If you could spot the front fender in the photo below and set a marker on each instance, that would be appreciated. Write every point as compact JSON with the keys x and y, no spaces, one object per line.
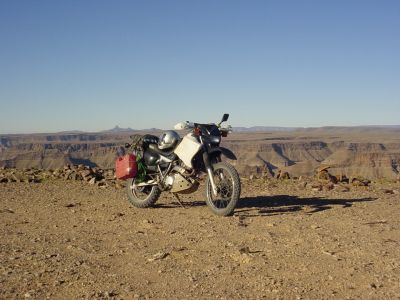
{"x":221,"y":150}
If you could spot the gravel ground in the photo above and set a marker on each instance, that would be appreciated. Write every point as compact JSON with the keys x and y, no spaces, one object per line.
{"x":68,"y":240}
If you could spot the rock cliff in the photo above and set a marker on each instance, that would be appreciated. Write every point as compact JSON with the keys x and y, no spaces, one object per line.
{"x":364,"y":154}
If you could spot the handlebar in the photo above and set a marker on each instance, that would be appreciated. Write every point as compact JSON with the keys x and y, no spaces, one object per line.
{"x":191,"y":125}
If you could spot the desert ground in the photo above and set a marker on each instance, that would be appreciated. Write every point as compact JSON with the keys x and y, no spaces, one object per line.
{"x":70,"y":240}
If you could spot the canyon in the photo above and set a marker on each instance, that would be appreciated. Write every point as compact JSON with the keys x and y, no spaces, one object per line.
{"x":368,"y":152}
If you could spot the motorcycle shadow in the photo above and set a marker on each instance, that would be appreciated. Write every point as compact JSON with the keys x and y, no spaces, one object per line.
{"x":186,"y":204}
{"x":281,"y":204}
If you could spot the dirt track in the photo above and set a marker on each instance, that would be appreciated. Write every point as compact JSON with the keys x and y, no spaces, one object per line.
{"x":67,"y":240}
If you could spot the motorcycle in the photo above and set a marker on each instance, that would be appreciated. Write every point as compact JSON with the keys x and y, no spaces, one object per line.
{"x":175,"y":164}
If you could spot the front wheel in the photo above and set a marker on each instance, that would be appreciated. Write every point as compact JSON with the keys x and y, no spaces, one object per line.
{"x":142,"y":197}
{"x":227,"y":182}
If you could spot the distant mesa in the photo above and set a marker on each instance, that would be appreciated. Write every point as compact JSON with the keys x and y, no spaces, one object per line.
{"x":70,"y":132}
{"x":368,"y":152}
{"x":263,"y":128}
{"x":118,"y":129}
{"x":323,"y":128}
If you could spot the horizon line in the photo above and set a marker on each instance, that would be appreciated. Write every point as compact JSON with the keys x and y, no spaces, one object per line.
{"x":118,"y":129}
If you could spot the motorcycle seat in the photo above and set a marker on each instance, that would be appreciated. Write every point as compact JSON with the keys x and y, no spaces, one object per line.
{"x":150,"y":139}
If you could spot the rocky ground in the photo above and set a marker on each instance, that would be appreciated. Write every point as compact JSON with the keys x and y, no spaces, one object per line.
{"x":289,"y":239}
{"x":93,"y":176}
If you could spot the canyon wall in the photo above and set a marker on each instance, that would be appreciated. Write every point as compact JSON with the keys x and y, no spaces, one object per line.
{"x":370,"y":155}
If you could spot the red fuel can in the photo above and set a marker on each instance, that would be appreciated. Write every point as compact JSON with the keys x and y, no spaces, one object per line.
{"x":126,"y":167}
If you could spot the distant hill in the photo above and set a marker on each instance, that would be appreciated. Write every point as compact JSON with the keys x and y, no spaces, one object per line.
{"x":264,"y":128}
{"x":117,"y":129}
{"x":71,"y":132}
{"x":322,"y":128}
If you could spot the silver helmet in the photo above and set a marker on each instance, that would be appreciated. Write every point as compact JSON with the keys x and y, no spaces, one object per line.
{"x":168,"y":140}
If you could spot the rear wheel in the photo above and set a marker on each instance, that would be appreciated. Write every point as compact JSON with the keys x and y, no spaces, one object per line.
{"x":227,"y":182}
{"x":144,"y":196}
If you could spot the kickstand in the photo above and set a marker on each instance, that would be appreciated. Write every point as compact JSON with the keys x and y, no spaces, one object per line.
{"x":179,"y":200}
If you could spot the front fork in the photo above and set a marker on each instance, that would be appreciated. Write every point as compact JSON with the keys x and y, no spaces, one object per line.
{"x":209,"y":169}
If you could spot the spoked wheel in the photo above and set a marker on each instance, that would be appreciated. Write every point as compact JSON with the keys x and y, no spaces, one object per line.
{"x":227,"y":181}
{"x":144,"y":196}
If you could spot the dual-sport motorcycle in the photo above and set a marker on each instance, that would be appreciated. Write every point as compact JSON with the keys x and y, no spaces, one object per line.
{"x":174,"y":164}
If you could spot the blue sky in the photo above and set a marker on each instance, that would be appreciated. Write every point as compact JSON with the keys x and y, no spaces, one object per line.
{"x":91,"y":65}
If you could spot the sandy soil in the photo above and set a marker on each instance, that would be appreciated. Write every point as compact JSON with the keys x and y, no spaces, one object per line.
{"x":68,"y":240}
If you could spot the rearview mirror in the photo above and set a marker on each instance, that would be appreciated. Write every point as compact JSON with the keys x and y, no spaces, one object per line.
{"x":225,"y":118}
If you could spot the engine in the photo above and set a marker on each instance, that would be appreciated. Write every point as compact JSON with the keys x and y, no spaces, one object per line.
{"x":176,"y":182}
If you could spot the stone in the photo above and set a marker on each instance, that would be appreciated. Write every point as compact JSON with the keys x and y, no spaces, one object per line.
{"x":342,"y":178}
{"x":282,"y":175}
{"x":329,"y":186}
{"x":342,"y":188}
{"x":158,"y":256}
{"x":323,"y":168}
{"x":34,"y":179}
{"x":325,"y":176}
{"x":118,"y":186}
{"x":388,"y":191}
{"x":244,"y":250}
{"x":58,"y":282}
{"x":76,"y":176}
{"x":87,"y":178}
{"x":304,"y":178}
{"x":360,"y":182}
{"x":92,"y":181}
{"x":17,"y":178}
{"x":109,"y":174}
{"x":85,"y":173}
{"x":303,"y":184}
{"x":102,"y":185}
{"x":315,"y":186}
{"x":372,"y":286}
